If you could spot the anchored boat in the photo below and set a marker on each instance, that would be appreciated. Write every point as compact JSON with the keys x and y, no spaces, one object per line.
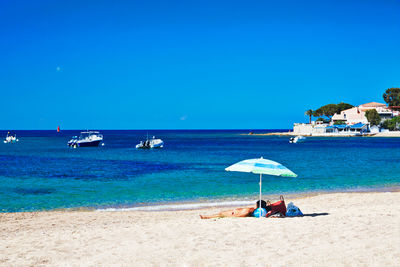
{"x":11,"y":138}
{"x":297,"y":139}
{"x":86,"y":139}
{"x":150,"y":143}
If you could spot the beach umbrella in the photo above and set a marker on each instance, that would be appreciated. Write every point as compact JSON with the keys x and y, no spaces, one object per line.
{"x":261,"y":166}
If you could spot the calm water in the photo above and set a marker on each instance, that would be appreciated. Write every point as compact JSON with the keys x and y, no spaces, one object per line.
{"x":40,"y":172}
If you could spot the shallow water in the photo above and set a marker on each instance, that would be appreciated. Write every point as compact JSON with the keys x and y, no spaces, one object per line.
{"x":40,"y":172}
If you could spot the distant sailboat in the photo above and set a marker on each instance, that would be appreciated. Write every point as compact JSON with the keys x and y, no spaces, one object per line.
{"x":58,"y":129}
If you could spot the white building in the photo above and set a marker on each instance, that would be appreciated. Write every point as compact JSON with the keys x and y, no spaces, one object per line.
{"x":357,"y":114}
{"x":354,"y":122}
{"x":350,"y":116}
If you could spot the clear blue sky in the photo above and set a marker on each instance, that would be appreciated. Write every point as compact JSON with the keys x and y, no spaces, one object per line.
{"x":191,"y":64}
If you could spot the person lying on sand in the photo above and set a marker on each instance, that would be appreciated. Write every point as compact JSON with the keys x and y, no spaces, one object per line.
{"x":238,"y":212}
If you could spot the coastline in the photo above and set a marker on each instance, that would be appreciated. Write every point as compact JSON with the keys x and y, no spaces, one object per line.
{"x":384,"y":134}
{"x":226,"y":203}
{"x":336,"y":230}
{"x":214,"y":202}
{"x":388,"y":134}
{"x":270,"y":134}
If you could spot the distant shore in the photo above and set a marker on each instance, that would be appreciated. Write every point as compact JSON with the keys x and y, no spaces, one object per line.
{"x":266,"y":134}
{"x":386,"y":134}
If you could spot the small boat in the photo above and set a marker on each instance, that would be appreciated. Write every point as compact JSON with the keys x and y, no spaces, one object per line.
{"x":73,"y":141}
{"x":85,"y":139}
{"x":297,"y":139}
{"x":11,"y":138}
{"x":58,"y":129}
{"x":150,"y":143}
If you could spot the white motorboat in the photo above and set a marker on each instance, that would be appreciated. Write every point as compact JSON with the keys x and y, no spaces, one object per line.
{"x":85,"y":139}
{"x":150,"y":143}
{"x":11,"y":138}
{"x":297,"y":139}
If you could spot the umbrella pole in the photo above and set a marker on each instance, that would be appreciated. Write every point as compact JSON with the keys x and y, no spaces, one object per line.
{"x":260,"y":193}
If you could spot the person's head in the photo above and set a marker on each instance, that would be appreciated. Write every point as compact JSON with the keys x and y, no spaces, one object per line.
{"x":263,"y":204}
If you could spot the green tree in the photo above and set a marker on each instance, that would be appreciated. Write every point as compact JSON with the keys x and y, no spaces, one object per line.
{"x":317,"y":113}
{"x":391,"y":124}
{"x":309,"y":112}
{"x":339,"y":123}
{"x":327,"y":110}
{"x":386,"y":125}
{"x":392,"y":97}
{"x":330,"y":110}
{"x":373,"y":117}
{"x":323,"y":120}
{"x":343,"y":106}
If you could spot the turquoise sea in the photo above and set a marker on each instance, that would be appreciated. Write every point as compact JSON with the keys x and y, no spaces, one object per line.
{"x":41,"y":172}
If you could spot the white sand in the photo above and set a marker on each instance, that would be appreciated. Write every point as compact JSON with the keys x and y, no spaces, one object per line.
{"x":360,"y":229}
{"x":388,"y":134}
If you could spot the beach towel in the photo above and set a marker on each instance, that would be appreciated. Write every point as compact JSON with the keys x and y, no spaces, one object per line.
{"x":277,"y":207}
{"x":293,"y":211}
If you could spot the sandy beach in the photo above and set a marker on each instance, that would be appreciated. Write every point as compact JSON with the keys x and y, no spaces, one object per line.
{"x":388,"y":134}
{"x":338,"y":229}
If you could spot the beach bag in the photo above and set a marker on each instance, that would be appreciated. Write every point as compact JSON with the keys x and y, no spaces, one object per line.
{"x":293,"y":211}
{"x":277,"y":207}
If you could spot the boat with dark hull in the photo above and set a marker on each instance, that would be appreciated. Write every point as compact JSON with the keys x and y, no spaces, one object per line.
{"x":86,"y":139}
